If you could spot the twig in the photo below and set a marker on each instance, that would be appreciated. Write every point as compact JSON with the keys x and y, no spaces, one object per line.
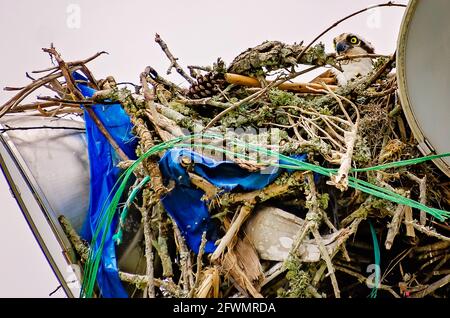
{"x":70,"y":82}
{"x":161,"y":244}
{"x":394,"y":226}
{"x":362,"y":211}
{"x":380,"y":71}
{"x":271,"y":191}
{"x":340,"y":180}
{"x":148,"y":238}
{"x":319,"y":274}
{"x":81,"y":247}
{"x":358,"y":56}
{"x":107,"y":135}
{"x":363,"y":279}
{"x":201,"y":68}
{"x":428,"y":231}
{"x":423,"y":194}
{"x":75,"y":102}
{"x":161,"y":80}
{"x":381,"y":94}
{"x":408,"y":219}
{"x":27,"y":90}
{"x":326,"y":257}
{"x":150,"y":164}
{"x":388,"y":4}
{"x":75,"y":63}
{"x":201,"y":250}
{"x":432,"y":247}
{"x":40,"y":127}
{"x":76,"y":95}
{"x":35,"y":105}
{"x":431,"y":288}
{"x":185,"y":260}
{"x":204,"y":102}
{"x":200,"y":182}
{"x":173,"y":60}
{"x":313,"y":219}
{"x":313,"y":292}
{"x":305,"y":230}
{"x":149,"y":97}
{"x":141,"y":282}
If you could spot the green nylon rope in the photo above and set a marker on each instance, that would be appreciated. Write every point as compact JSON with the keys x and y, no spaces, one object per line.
{"x":117,"y":238}
{"x":353,"y":182}
{"x":92,"y":264}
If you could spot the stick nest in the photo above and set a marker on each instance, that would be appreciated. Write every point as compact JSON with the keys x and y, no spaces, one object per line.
{"x":358,"y":125}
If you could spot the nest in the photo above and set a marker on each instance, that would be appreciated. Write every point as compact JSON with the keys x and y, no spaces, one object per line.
{"x":329,"y":225}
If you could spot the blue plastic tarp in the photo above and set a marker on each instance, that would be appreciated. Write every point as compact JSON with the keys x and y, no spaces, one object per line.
{"x":103,"y":175}
{"x":185,"y":202}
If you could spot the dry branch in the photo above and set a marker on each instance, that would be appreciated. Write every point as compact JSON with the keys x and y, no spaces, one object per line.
{"x":173,"y":60}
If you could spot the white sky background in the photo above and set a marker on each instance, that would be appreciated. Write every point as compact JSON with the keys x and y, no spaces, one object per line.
{"x":197,"y":32}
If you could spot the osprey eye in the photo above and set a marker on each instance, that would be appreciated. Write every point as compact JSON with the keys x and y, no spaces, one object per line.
{"x":354,"y":40}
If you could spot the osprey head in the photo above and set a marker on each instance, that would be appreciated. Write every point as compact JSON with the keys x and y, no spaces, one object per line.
{"x":349,"y":43}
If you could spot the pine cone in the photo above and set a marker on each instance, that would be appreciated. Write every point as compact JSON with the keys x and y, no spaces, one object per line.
{"x":207,"y":85}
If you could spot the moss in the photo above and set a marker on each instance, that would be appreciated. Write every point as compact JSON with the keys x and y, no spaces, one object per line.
{"x":282,"y":179}
{"x":361,"y":153}
{"x":245,"y":116}
{"x":298,"y":279}
{"x":219,"y":66}
{"x":324,"y":110}
{"x":323,"y":200}
{"x":283,"y":98}
{"x":146,"y":195}
{"x":379,"y":62}
{"x":381,"y":204}
{"x":186,"y":123}
{"x":181,"y":108}
{"x":139,"y":151}
{"x":274,"y":55}
{"x":316,"y":55}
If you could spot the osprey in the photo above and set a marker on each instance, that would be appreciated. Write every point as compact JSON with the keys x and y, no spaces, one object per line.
{"x":351,"y":44}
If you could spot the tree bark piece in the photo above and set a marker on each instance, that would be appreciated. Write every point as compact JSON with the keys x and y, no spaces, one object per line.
{"x":312,"y":88}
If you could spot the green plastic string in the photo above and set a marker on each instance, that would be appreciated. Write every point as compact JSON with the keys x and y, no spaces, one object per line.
{"x":353,"y":182}
{"x":402,"y":163}
{"x":92,"y":264}
{"x":117,"y":238}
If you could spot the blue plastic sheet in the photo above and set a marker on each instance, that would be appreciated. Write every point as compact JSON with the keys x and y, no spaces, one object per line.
{"x":103,"y":175}
{"x":184,"y":203}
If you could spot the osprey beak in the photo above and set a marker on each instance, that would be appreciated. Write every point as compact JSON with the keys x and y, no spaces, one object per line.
{"x":342,"y":47}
